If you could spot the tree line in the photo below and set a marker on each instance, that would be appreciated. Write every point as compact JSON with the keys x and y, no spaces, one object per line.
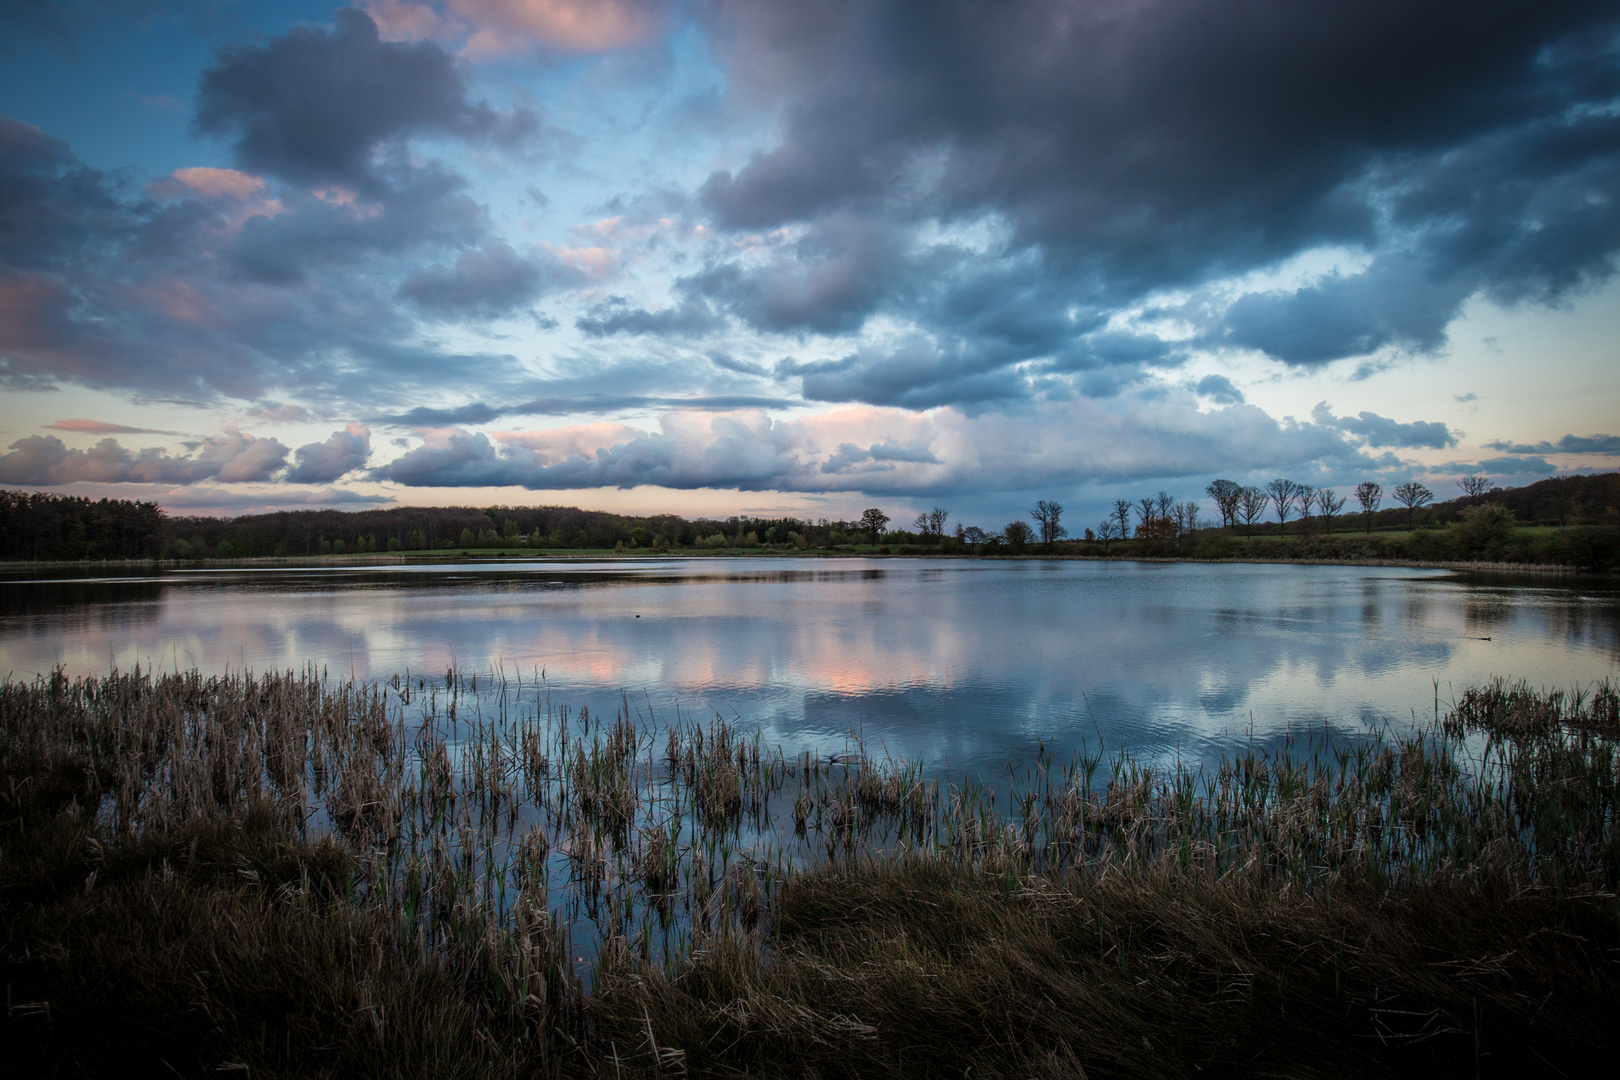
{"x":41,"y":526}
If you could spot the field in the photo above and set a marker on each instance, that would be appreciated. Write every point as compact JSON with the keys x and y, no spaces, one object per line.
{"x":293,"y":876}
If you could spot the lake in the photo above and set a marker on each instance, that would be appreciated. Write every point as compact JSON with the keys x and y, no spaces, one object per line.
{"x":965,"y":663}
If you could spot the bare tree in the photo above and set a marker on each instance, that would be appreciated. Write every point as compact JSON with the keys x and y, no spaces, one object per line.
{"x":1284,"y":493}
{"x":1146,"y":511}
{"x":1122,"y":514}
{"x":1412,"y":495}
{"x":1185,"y":516}
{"x":1369,"y":495}
{"x":1166,"y":505}
{"x":973,"y":536}
{"x":1107,"y":529}
{"x":1304,"y":501}
{"x":1047,"y":514}
{"x":1225,"y":495}
{"x":1475,"y":487}
{"x":1252,"y":503}
{"x":937,"y":517}
{"x":1328,"y":504}
{"x":873,"y":521}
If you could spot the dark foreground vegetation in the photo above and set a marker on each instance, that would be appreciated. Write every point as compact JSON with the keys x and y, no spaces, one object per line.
{"x":284,"y":876}
{"x":1571,"y":521}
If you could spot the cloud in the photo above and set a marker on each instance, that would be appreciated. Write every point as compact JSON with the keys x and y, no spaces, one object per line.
{"x":107,"y":285}
{"x":101,"y":427}
{"x":693,"y":317}
{"x":213,"y":183}
{"x":323,"y":462}
{"x":314,"y":106}
{"x":828,"y":280}
{"x":893,"y":451}
{"x":479,"y":413}
{"x":1515,"y":466}
{"x":488,"y":282}
{"x":278,"y":413}
{"x":1115,"y":152}
{"x":1377,"y":430}
{"x":426,"y":206}
{"x":230,"y":457}
{"x":1569,"y":444}
{"x":1219,"y":389}
{"x":499,"y":27}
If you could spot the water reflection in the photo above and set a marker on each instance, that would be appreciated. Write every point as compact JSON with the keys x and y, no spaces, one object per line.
{"x":966,"y":663}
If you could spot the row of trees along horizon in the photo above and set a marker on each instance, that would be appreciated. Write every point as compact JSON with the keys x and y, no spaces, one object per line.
{"x":1578,"y":516}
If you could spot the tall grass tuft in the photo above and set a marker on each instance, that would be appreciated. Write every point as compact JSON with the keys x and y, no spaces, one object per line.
{"x":304,"y":876}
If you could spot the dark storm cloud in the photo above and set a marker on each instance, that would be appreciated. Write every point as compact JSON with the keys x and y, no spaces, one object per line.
{"x":427,"y":207}
{"x":918,"y":373}
{"x":479,"y":413}
{"x":1219,"y":389}
{"x":232,"y":287}
{"x":314,"y":106}
{"x":487,"y":282}
{"x":1569,"y":444}
{"x":693,"y":317}
{"x":1469,"y":148}
{"x":1377,"y":430}
{"x":827,"y":281}
{"x":53,"y":208}
{"x":324,"y":462}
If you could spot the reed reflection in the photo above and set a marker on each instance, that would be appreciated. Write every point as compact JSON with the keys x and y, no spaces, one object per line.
{"x":964,"y":662}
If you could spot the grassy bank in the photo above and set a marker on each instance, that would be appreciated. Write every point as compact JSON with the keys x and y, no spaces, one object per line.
{"x":306,"y":878}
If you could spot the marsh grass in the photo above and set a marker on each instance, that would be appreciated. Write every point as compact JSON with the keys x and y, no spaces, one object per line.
{"x":304,"y":876}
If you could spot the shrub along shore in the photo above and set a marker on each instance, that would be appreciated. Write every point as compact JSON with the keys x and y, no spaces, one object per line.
{"x":289,"y":875}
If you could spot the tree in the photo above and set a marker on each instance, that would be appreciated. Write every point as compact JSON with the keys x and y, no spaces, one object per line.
{"x":973,"y":536}
{"x":1284,"y":493}
{"x":1252,"y":503}
{"x":1047,"y":515}
{"x":1147,"y":511}
{"x":1412,"y":495}
{"x":1107,"y":529}
{"x":1563,"y":493}
{"x":1328,"y":504}
{"x":873,"y":521}
{"x":1304,"y":500}
{"x":1369,"y":495}
{"x":1225,"y":494}
{"x":1018,"y":535}
{"x":1122,"y":514}
{"x":1166,"y":505}
{"x":1186,"y":517}
{"x":1475,"y":487}
{"x":937,"y":517}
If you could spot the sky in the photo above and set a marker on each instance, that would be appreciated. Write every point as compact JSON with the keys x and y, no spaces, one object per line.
{"x":712,"y":257}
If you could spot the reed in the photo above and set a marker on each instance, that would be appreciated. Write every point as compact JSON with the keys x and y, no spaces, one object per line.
{"x":304,"y":875}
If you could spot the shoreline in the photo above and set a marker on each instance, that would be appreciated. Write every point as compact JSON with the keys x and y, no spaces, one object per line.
{"x":317,"y":562}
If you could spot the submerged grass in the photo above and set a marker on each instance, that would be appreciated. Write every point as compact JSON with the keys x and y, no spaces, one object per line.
{"x":297,"y":876}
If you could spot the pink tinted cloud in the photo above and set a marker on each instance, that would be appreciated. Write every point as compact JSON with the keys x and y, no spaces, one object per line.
{"x":217,"y":183}
{"x":230,"y":457}
{"x":101,"y":427}
{"x":502,"y":27}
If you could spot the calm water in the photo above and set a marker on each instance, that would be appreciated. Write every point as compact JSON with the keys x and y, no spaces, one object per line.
{"x":966,"y":663}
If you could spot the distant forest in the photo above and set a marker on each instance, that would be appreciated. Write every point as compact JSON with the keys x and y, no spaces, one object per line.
{"x":45,"y":527}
